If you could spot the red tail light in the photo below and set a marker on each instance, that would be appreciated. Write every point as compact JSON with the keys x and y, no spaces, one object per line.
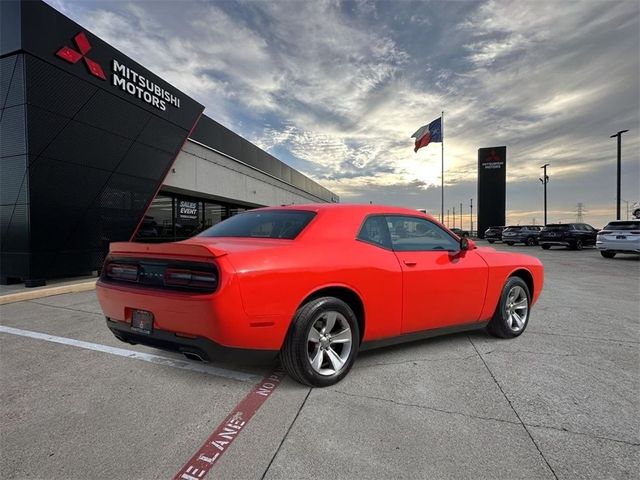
{"x":122,"y":271}
{"x":190,"y":278}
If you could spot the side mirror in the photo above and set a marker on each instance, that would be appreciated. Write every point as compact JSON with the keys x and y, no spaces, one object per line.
{"x":466,"y":244}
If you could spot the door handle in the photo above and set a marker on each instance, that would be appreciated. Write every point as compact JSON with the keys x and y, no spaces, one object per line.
{"x":409,"y":263}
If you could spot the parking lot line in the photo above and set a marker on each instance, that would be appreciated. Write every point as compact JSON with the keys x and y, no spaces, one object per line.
{"x":121,"y":352}
{"x":223,"y":436}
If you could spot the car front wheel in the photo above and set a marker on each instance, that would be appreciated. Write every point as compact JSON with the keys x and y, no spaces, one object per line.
{"x":490,"y":241}
{"x":512,"y":312}
{"x":607,"y":254}
{"x":545,"y":246}
{"x":322,"y":343}
{"x":531,"y":242}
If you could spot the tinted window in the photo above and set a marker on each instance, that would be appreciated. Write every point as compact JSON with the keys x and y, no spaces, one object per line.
{"x":262,"y":224}
{"x":513,"y":229}
{"x":417,"y":234}
{"x":376,"y":231}
{"x":557,"y":228}
{"x":630,"y":225}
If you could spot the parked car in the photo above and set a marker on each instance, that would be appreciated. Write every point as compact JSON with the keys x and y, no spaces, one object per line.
{"x":619,"y":236}
{"x":527,"y":234}
{"x":572,"y":235}
{"x":314,"y":284}
{"x":493,"y":234}
{"x":460,"y":232}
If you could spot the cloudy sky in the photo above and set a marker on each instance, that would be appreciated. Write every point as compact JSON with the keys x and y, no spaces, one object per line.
{"x":336,"y":88}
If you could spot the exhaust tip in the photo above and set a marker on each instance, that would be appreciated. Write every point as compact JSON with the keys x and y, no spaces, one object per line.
{"x":193,"y":356}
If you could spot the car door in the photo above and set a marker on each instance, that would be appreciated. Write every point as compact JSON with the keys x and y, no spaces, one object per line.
{"x":441,"y":285}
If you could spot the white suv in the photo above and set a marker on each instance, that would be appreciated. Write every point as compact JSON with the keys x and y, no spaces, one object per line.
{"x":619,"y":236}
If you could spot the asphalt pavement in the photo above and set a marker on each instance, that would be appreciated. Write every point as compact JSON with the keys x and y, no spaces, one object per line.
{"x":561,"y":401}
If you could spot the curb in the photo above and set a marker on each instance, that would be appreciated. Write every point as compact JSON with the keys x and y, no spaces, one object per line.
{"x":47,"y":292}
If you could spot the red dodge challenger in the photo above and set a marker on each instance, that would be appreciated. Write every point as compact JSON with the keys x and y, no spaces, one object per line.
{"x":314,"y":283}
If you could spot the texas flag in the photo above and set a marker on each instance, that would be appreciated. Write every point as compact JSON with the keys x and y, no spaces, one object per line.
{"x":428,"y":133}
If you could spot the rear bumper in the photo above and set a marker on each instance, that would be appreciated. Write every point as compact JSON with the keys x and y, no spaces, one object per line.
{"x":204,"y":348}
{"x":619,"y":247}
{"x":554,"y":242}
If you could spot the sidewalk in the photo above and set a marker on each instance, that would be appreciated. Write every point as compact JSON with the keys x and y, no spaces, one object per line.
{"x":18,"y":292}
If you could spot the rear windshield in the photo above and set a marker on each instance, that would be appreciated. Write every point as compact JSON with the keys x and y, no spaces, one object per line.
{"x":557,"y":228}
{"x":513,"y":229}
{"x":286,"y":224}
{"x":630,"y":225}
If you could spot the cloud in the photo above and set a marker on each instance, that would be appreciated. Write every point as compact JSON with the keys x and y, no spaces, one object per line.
{"x":336,"y":88}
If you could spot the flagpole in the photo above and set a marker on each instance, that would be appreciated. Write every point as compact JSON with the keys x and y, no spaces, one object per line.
{"x":442,"y":175}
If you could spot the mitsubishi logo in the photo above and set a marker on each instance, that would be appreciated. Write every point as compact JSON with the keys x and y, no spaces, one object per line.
{"x":72,"y":56}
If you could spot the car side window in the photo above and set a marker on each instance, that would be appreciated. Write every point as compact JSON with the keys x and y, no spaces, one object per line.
{"x":375,"y":231}
{"x":410,"y":234}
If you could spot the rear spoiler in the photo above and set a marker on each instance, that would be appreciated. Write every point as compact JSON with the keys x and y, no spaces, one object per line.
{"x":166,"y":249}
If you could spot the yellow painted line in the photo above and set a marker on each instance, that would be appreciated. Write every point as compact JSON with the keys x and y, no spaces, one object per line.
{"x":47,"y":292}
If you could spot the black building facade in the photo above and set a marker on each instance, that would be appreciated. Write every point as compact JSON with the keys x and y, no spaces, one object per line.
{"x":87,"y":137}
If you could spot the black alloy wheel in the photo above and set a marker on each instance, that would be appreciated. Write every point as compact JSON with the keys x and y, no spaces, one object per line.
{"x":577,"y":245}
{"x":530,"y":242}
{"x":545,"y":246}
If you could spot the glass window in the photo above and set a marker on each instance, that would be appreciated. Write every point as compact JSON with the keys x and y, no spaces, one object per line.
{"x":418,"y":234}
{"x":262,"y":224}
{"x":623,"y":225}
{"x":214,"y":213}
{"x":376,"y":231}
{"x":157,"y":224}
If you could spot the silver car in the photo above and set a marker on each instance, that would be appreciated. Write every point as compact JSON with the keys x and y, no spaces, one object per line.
{"x":619,"y":236}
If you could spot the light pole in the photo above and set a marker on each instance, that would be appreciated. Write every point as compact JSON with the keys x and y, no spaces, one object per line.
{"x":471,"y":214}
{"x":461,"y":227}
{"x":448,"y":217}
{"x":454,"y":217}
{"x":545,"y":180}
{"x":619,"y":135}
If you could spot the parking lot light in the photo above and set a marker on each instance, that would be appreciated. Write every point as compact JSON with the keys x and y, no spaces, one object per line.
{"x":619,"y":136}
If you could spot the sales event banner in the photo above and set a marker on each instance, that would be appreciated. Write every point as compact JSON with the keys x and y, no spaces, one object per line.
{"x":492,"y":177}
{"x":188,"y":212}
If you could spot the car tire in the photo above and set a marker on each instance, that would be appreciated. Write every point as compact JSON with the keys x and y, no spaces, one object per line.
{"x":509,"y":243}
{"x":530,"y":242}
{"x":490,"y":241}
{"x":545,"y":246}
{"x":607,"y":254}
{"x":322,"y":343}
{"x":512,"y":312}
{"x":577,"y":245}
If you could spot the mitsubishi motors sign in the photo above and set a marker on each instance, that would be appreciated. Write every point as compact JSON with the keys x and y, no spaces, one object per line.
{"x":122,"y":76}
{"x":141,"y":87}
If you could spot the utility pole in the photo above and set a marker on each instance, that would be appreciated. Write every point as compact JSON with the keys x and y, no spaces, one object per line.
{"x":471,"y":215}
{"x":627,"y":202}
{"x":454,"y":217}
{"x":619,"y":135}
{"x":447,"y":217}
{"x":580,"y":210}
{"x":545,"y":180}
{"x":461,"y":227}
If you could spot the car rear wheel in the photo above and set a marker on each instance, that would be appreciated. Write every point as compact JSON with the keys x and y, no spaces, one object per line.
{"x":530,"y":242}
{"x":545,"y":246}
{"x":512,"y":313}
{"x":577,"y":245}
{"x":322,"y":343}
{"x":607,"y":254}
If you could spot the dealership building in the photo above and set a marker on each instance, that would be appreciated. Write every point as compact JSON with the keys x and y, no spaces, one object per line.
{"x":94,"y":148}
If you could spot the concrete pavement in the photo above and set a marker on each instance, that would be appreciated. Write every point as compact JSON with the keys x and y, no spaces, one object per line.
{"x":561,"y":401}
